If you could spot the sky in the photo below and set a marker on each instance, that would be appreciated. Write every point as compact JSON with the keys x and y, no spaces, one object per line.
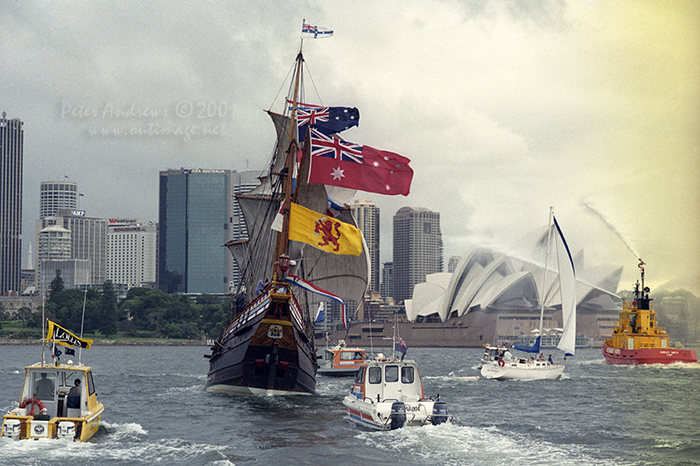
{"x":505,"y":108}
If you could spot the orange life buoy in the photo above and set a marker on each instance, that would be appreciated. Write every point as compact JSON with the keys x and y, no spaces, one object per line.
{"x":34,"y":401}
{"x":501,"y":362}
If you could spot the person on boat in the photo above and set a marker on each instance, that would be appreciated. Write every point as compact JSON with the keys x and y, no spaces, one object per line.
{"x":240,"y":303}
{"x":261,"y":285}
{"x":507,"y":356}
{"x":75,"y":389}
{"x":550,"y":359}
{"x":541,"y":357}
{"x":44,"y":388}
{"x":73,"y":399}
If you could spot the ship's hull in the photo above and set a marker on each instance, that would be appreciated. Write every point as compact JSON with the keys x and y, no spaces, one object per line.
{"x":269,"y":354}
{"x":647,"y":355}
{"x":521,"y":371}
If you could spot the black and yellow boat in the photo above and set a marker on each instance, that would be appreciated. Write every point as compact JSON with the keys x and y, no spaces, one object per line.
{"x":58,"y":401}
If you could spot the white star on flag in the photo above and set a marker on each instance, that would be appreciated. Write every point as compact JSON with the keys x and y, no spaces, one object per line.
{"x":337,"y":174}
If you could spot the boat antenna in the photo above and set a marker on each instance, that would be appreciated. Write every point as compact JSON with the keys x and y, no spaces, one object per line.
{"x":82,"y":324}
{"x":43,"y":331}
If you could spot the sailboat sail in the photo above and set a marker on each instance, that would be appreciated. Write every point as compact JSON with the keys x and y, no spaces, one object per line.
{"x":567,"y":283}
{"x":567,"y":287}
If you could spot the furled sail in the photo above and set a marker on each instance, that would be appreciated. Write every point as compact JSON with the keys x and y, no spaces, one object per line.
{"x":344,"y":276}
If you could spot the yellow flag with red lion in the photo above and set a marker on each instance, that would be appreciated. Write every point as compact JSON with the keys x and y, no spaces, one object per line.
{"x":323,"y":232}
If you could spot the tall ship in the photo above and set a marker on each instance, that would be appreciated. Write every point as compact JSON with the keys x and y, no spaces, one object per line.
{"x":303,"y":248}
{"x":637,"y":339}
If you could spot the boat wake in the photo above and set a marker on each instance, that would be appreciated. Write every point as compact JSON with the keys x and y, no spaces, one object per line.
{"x":118,"y":431}
{"x":453,"y":444}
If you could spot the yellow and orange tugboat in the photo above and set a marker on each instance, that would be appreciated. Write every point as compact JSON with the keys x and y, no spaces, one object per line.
{"x":637,"y":339}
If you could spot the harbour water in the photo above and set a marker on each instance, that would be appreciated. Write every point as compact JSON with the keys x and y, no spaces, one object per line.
{"x":157,"y":412}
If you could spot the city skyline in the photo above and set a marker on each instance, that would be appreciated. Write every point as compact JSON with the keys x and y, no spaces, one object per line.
{"x":504,"y":109}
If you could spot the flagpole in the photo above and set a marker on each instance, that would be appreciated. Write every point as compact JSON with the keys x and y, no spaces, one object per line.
{"x":82,"y":323}
{"x":43,"y":331}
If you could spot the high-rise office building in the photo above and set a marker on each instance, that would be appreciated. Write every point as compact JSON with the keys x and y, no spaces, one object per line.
{"x":194,"y":212}
{"x":417,"y":249}
{"x":387,"y":280}
{"x":57,"y":195}
{"x":453,"y":263}
{"x":131,"y":252}
{"x":11,"y":153}
{"x":88,"y":239}
{"x":367,"y":217}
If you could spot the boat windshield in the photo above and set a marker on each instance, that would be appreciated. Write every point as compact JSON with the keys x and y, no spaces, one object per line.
{"x":44,"y":385}
{"x":351,"y":356}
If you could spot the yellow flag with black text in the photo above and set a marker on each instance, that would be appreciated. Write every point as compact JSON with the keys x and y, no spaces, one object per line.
{"x":323,"y":232}
{"x":60,"y":335}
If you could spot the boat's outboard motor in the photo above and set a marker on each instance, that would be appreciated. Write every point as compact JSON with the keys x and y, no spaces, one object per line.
{"x":439,"y":413}
{"x":398,"y":415}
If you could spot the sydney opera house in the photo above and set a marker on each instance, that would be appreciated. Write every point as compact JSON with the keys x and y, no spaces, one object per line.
{"x":494,"y":297}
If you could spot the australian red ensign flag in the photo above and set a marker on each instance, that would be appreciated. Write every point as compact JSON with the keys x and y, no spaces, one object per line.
{"x":336,"y":162}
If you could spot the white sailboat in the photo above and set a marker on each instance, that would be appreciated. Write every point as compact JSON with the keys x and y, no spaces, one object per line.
{"x":497,"y":362}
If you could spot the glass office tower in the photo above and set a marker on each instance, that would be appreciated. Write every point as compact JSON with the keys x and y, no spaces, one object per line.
{"x":194,"y":208}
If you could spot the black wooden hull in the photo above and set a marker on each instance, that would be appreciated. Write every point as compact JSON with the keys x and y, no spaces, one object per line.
{"x":267,"y":354}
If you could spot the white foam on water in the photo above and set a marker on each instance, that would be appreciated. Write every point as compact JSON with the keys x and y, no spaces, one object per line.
{"x":450,"y":444}
{"x":122,"y":430}
{"x":114,"y":447}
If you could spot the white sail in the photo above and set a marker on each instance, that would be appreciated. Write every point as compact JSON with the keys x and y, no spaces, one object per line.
{"x":567,"y":286}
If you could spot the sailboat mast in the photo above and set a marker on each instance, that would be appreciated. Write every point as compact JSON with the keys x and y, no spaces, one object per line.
{"x":546,"y":263}
{"x":283,"y":236}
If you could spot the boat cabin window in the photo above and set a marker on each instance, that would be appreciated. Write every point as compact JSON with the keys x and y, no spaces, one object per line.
{"x":407,"y":374}
{"x":91,"y":384}
{"x":348,"y":356}
{"x":375,"y":375}
{"x":392,"y":373}
{"x":360,"y":377}
{"x":44,"y":384}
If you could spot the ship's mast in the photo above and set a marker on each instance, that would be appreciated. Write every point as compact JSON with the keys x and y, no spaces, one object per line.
{"x":546,"y":260}
{"x":283,"y":236}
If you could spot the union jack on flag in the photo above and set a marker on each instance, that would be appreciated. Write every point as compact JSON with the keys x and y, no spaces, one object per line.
{"x":316,"y":31}
{"x":303,"y":106}
{"x":312,"y":115}
{"x":328,"y":146}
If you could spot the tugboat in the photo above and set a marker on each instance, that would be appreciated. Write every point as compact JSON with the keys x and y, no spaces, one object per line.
{"x":637,"y":339}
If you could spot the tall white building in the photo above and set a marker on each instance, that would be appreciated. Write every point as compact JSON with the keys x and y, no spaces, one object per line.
{"x":367,"y":217}
{"x":131,"y":252}
{"x":88,"y":237}
{"x":57,"y":195}
{"x":54,"y":245}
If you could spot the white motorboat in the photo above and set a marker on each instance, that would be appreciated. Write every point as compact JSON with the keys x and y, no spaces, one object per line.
{"x":388,"y":394}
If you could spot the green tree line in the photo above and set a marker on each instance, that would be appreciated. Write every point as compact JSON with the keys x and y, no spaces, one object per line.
{"x":144,"y":313}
